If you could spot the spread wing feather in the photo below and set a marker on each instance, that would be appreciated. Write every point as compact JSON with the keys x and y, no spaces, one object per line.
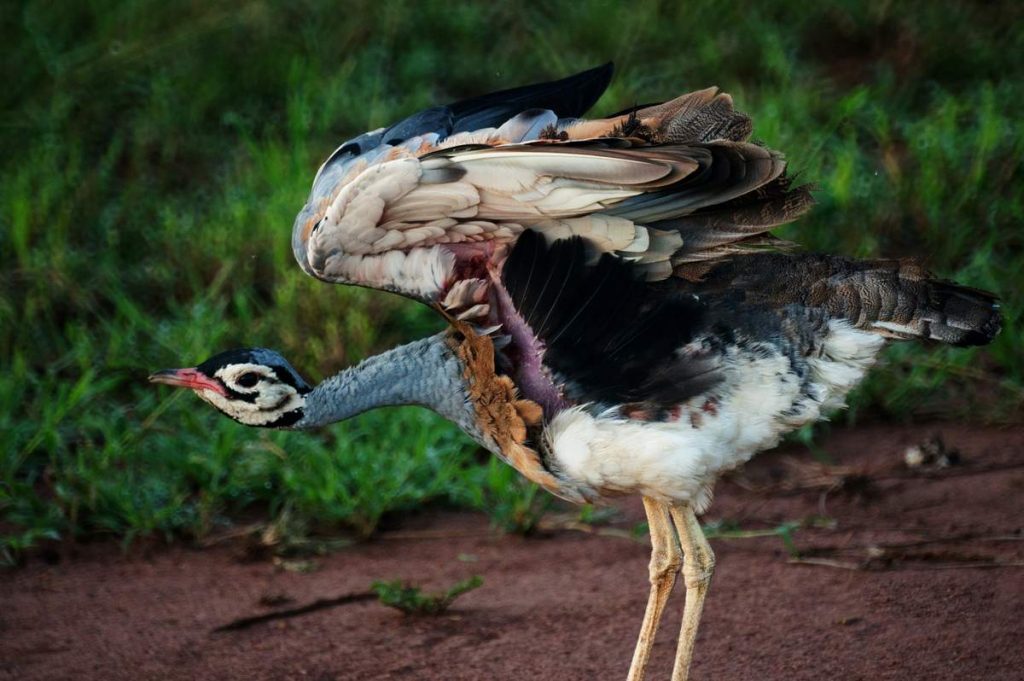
{"x":601,"y":325}
{"x":661,"y":186}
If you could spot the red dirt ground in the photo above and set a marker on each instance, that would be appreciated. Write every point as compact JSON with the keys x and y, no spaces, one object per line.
{"x":936,"y":589}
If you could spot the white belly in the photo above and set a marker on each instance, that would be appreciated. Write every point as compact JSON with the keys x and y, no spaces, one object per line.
{"x":678,"y":460}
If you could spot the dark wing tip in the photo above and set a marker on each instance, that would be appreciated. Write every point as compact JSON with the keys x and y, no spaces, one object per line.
{"x":568,"y":97}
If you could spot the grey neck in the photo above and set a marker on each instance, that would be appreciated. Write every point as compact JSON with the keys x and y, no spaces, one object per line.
{"x":425,"y":373}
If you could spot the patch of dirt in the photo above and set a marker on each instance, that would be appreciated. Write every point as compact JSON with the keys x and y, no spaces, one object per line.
{"x":907,"y":573}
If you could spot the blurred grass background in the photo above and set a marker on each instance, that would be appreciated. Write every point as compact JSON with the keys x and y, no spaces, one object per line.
{"x":155,"y":154}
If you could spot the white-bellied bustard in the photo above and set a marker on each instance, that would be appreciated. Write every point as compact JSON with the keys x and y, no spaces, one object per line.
{"x":621,"y":320}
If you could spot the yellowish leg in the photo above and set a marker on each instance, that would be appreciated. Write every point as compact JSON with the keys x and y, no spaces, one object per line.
{"x":665,"y":561}
{"x":698,"y":565}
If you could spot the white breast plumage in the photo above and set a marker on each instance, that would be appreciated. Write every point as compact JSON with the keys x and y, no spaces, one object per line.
{"x":678,"y":460}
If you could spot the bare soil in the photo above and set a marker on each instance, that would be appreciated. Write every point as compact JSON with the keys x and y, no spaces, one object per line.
{"x":902,"y":573}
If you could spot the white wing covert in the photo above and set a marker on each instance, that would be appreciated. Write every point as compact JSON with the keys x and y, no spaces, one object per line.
{"x":432,"y":215}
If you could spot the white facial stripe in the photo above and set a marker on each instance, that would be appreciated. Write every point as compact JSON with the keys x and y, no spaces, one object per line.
{"x":265,"y":402}
{"x":232,"y":372}
{"x":273,"y":394}
{"x":258,"y":413}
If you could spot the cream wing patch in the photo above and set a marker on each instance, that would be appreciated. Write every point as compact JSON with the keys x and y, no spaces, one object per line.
{"x":404,"y":203}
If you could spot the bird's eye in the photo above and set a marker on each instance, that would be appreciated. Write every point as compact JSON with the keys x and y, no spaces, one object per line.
{"x":248,"y":380}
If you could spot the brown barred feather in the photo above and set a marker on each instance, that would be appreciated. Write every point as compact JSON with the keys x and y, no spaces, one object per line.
{"x":500,"y":413}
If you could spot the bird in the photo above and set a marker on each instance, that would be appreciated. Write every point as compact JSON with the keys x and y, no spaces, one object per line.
{"x":621,"y":321}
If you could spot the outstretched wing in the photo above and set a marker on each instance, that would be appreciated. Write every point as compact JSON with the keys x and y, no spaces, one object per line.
{"x":429,"y":207}
{"x":602,"y":333}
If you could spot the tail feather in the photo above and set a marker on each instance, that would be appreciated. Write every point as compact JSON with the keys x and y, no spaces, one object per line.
{"x":900,"y":299}
{"x":963,"y":316}
{"x":897,"y":299}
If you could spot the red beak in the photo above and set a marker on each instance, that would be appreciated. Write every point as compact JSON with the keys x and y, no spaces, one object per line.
{"x":188,"y":378}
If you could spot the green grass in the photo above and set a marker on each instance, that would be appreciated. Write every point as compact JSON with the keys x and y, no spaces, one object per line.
{"x":155,"y":154}
{"x":411,"y":600}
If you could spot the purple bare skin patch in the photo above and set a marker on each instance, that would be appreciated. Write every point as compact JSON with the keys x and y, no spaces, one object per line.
{"x":531,"y":377}
{"x":471,"y":260}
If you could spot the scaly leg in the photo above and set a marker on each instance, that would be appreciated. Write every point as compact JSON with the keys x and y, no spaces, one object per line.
{"x":698,"y":565}
{"x":665,"y":561}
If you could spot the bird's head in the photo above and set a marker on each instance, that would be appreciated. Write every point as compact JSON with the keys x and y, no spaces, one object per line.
{"x":254,"y":386}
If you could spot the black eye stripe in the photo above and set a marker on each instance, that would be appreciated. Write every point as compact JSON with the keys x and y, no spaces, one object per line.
{"x":242,"y":397}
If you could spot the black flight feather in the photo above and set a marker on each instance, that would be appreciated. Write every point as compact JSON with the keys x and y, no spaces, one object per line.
{"x":569,"y":98}
{"x":610,"y":336}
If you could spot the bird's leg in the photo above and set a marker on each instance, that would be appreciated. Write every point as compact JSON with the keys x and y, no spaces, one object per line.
{"x":665,"y":561}
{"x":698,"y":565}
